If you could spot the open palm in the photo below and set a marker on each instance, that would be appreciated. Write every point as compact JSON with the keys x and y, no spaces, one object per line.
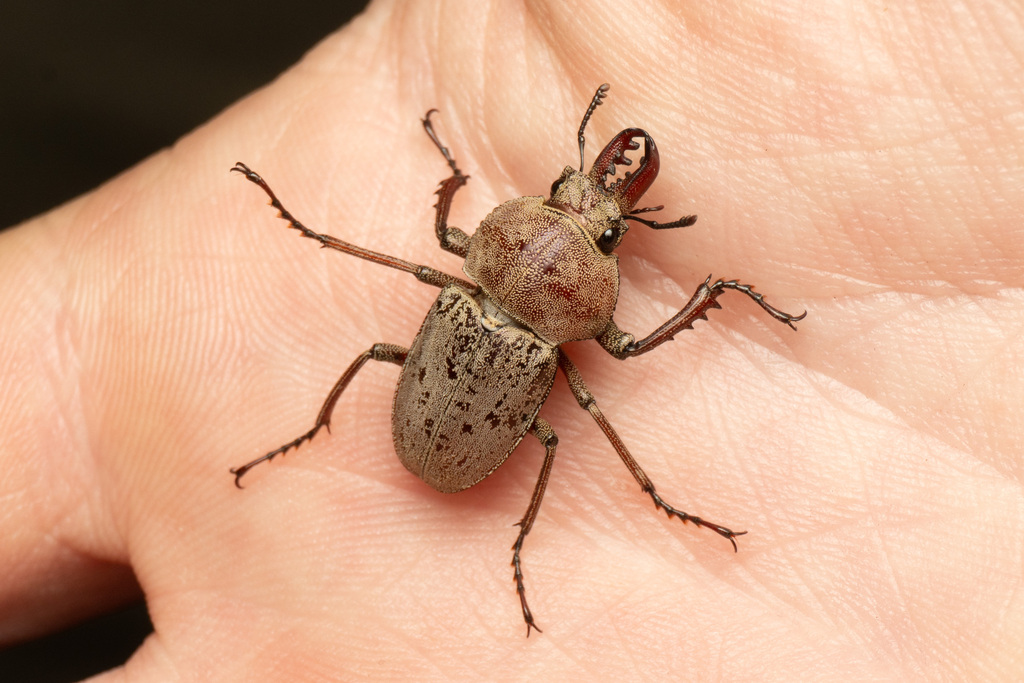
{"x":168,"y":327}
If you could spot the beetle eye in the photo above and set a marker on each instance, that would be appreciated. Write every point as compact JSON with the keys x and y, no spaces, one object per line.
{"x":608,"y":239}
{"x":555,"y":185}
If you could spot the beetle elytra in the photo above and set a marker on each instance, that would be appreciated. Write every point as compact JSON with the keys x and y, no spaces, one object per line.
{"x":542,"y":272}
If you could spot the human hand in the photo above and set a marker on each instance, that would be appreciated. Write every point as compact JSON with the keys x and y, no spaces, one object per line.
{"x":167,"y":327}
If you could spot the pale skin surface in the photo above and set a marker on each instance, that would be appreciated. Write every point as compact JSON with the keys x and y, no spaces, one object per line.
{"x":864,"y":164}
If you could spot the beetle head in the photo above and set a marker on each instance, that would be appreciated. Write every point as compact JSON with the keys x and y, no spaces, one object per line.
{"x":591,"y":206}
{"x":602,"y":208}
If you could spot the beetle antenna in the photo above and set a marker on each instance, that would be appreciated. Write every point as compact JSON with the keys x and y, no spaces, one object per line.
{"x":602,"y":90}
{"x":681,"y":223}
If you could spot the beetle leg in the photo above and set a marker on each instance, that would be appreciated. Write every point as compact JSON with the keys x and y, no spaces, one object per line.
{"x":451,"y":239}
{"x":586,"y":400}
{"x":389,"y":353}
{"x":422,"y":273}
{"x":543,"y":431}
{"x":623,"y":345}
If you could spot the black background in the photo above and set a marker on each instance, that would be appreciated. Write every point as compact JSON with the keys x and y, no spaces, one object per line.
{"x":88,"y":89}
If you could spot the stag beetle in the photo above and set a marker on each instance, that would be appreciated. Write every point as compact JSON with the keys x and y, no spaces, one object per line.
{"x":542,"y":273}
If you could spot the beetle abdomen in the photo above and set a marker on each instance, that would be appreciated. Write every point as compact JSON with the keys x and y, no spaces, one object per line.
{"x":468,"y":393}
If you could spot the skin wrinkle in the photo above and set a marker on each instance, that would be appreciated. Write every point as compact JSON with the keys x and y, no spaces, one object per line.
{"x":78,"y":507}
{"x":887,"y":563}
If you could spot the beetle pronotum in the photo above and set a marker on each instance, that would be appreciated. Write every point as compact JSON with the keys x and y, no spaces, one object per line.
{"x":541,"y":273}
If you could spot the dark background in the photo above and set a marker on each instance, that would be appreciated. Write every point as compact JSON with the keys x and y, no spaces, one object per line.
{"x":88,"y":89}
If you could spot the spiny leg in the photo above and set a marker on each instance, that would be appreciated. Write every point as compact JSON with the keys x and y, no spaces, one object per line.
{"x":423,"y":273}
{"x":389,"y":353}
{"x":451,"y":239}
{"x":623,"y":345}
{"x":543,"y":431}
{"x":586,"y":400}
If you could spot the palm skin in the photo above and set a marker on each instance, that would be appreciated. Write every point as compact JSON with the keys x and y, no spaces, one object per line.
{"x":167,"y":327}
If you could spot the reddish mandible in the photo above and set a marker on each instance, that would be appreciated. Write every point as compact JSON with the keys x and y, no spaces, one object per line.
{"x":542,"y":272}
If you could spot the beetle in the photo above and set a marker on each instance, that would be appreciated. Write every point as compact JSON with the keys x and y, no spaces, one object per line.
{"x":542,"y":272}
